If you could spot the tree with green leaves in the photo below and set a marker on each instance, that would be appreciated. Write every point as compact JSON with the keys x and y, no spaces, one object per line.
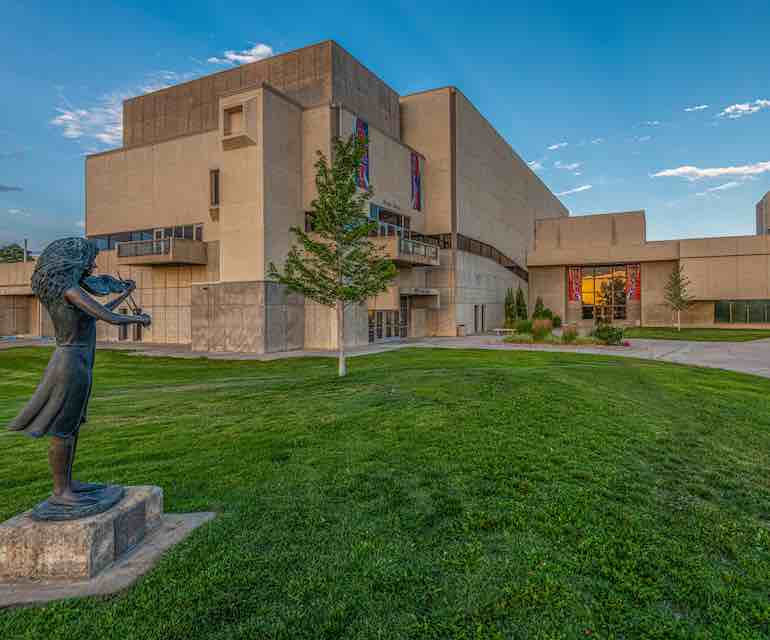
{"x":521,"y":305}
{"x":337,"y":264}
{"x":11,"y":253}
{"x":676,"y":293}
{"x":510,"y":308}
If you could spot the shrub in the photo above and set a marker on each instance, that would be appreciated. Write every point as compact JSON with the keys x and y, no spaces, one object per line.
{"x":510,"y":307}
{"x":569,"y":335}
{"x":541,"y":328}
{"x":524,"y":326}
{"x":521,"y":304}
{"x":539,"y":308}
{"x":607,"y":334}
{"x":556,"y":321}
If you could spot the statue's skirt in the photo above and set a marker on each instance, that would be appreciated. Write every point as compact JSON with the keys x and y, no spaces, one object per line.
{"x":58,"y":406}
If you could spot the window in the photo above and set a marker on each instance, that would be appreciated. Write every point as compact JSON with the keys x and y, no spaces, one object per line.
{"x":233,"y":120}
{"x":199,"y":232}
{"x":742,"y":311}
{"x":604,"y":292}
{"x":214,"y":187}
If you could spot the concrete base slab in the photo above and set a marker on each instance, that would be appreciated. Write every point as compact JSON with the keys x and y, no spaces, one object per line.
{"x":173,"y":528}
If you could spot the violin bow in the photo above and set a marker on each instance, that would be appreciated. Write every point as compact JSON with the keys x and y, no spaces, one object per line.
{"x":131,"y":301}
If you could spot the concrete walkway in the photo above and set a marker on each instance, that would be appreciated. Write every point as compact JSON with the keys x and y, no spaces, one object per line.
{"x":745,"y":357}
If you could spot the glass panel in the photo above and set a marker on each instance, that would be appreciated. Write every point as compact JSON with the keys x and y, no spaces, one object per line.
{"x":740,"y":311}
{"x":757,"y":311}
{"x":187,"y":232}
{"x":588,"y":312}
{"x":199,"y":232}
{"x":722,"y":311}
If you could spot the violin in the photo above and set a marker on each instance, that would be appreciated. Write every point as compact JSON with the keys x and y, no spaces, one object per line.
{"x":104,"y":285}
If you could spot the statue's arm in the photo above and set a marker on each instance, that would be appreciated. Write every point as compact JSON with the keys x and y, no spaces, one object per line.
{"x":112,"y":304}
{"x":80,"y":299}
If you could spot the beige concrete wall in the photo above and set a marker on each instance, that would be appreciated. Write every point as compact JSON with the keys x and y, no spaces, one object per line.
{"x":362,"y":92}
{"x":317,"y":130}
{"x":498,"y":196}
{"x":16,"y":315}
{"x":480,"y":281}
{"x":321,"y":326}
{"x":192,"y":107}
{"x":247,"y":317}
{"x":550,"y":283}
{"x":282,"y":160}
{"x":15,"y":278}
{"x":425,"y":125}
{"x":389,"y":172}
{"x":164,"y":292}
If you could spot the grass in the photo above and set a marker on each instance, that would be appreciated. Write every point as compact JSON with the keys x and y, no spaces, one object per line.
{"x":550,"y":338}
{"x":699,"y":335}
{"x":431,"y":494}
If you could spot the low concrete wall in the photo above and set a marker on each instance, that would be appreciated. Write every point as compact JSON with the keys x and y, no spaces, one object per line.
{"x":249,"y":317}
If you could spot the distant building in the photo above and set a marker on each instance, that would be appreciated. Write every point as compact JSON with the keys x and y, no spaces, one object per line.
{"x":763,"y":215}
{"x":602,"y":267}
{"x":215,"y":171}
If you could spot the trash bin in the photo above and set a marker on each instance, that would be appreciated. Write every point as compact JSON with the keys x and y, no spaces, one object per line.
{"x":460,"y":330}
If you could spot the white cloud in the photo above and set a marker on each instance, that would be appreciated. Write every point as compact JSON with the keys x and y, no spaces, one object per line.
{"x":597,"y":140}
{"x":736,"y":111}
{"x":650,"y":123}
{"x":17,"y":212}
{"x":103,"y":121}
{"x":558,"y":145}
{"x":644,"y":139}
{"x":584,"y":187}
{"x":698,"y":107}
{"x":695,"y":173}
{"x":722,"y":187}
{"x":572,"y":166}
{"x":259,"y":51}
{"x":535,"y":165}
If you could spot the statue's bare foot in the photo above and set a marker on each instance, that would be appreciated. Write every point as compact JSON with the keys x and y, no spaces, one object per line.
{"x":87,"y":487}
{"x":69,"y":498}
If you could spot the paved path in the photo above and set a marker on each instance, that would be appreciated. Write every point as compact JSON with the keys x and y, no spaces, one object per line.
{"x":746,"y":357}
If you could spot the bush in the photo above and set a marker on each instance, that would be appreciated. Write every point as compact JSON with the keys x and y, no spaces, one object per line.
{"x":521,"y":304}
{"x":607,"y":334}
{"x":556,"y":321}
{"x":569,"y":335}
{"x":524,"y":326}
{"x":539,"y":308}
{"x":541,"y":328}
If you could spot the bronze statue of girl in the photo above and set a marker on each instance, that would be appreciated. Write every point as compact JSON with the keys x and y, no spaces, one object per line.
{"x":63,"y":282}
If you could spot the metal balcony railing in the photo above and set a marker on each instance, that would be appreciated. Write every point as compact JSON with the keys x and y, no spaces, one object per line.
{"x":139,"y":248}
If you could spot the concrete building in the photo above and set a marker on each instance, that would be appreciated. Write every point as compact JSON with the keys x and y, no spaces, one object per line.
{"x":595,"y":267}
{"x":214,"y":172}
{"x":763,"y":215}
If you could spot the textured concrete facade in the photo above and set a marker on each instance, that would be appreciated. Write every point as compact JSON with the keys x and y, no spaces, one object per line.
{"x":200,"y":200}
{"x":724,"y":270}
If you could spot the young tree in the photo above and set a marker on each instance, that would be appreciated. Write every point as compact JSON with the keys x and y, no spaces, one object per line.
{"x":337,"y":265}
{"x":510,"y":307}
{"x":11,"y":253}
{"x":521,"y":305}
{"x":676,"y":294}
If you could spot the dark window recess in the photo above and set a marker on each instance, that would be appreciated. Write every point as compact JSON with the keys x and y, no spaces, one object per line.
{"x":187,"y":231}
{"x":214,"y":187}
{"x":742,"y":311}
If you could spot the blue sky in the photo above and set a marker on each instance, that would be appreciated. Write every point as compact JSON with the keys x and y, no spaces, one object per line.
{"x":618,"y":107}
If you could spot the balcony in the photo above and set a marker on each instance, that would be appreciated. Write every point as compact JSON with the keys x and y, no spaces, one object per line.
{"x":168,"y":251}
{"x":406,"y":251}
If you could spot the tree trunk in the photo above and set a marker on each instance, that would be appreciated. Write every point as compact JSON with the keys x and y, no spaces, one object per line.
{"x":342,"y":368}
{"x":678,"y":320}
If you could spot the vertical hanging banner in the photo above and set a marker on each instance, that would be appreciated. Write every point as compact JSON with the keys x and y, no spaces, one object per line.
{"x":361,"y":131}
{"x":575,"y":284}
{"x":416,"y":182}
{"x":634,"y":282}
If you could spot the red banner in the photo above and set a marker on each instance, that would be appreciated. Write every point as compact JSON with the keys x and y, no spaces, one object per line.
{"x":634,"y":282}
{"x":575,"y":285}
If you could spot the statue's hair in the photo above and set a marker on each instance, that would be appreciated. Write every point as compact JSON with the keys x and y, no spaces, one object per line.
{"x":61,"y":266}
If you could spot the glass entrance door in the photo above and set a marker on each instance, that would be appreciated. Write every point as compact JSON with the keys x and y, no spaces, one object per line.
{"x":404,"y":317}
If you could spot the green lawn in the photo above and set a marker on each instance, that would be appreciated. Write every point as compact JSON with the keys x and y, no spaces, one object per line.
{"x":700,"y":335}
{"x":431,"y":494}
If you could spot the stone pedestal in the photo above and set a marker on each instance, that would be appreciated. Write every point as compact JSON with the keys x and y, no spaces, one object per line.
{"x":43,"y":561}
{"x":76,"y":549}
